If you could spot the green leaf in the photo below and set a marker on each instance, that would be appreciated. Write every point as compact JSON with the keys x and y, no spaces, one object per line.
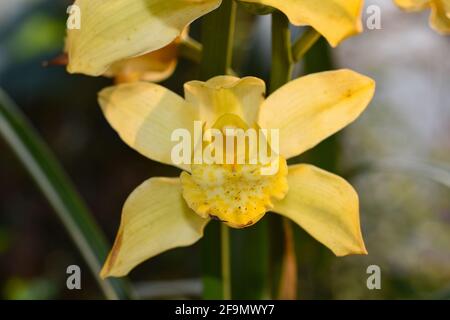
{"x":60,"y":193}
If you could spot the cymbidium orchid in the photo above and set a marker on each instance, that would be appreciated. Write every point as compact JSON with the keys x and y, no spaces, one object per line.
{"x":440,"y":12}
{"x":164,"y":213}
{"x":116,"y":30}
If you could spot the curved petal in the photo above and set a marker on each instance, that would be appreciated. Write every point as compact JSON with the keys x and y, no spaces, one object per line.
{"x":446,"y":6}
{"x":155,"y":218}
{"x":145,"y":115}
{"x":115,"y":30}
{"x":155,"y":66}
{"x":334,"y":19}
{"x":226,"y":94}
{"x":326,"y":206}
{"x":310,"y":109}
{"x":413,"y":5}
{"x":440,"y":16}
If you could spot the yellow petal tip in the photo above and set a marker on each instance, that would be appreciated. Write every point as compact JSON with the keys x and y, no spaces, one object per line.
{"x":109,"y":266}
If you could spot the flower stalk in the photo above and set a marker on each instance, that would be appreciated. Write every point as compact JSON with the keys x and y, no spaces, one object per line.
{"x":282,"y":61}
{"x":304,"y":43}
{"x":226,"y":261}
{"x":217,"y":41}
{"x":191,"y":50}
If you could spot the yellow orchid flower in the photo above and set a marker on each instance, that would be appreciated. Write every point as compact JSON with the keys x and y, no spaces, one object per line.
{"x":440,"y":12}
{"x":115,"y":30}
{"x":164,"y":213}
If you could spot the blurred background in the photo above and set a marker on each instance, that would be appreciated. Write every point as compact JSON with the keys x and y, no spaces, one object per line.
{"x":397,"y":155}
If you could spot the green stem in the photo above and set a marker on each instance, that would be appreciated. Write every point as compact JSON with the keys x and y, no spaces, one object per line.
{"x":282,"y":61}
{"x":226,"y":263}
{"x":191,"y":50}
{"x":217,"y":41}
{"x":304,"y":43}
{"x":48,"y":174}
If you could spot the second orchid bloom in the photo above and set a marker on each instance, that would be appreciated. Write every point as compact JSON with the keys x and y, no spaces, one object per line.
{"x":164,"y":213}
{"x":440,"y":12}
{"x":114,"y":31}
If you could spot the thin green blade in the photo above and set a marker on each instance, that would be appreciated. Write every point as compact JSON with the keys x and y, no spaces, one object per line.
{"x":59,"y":191}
